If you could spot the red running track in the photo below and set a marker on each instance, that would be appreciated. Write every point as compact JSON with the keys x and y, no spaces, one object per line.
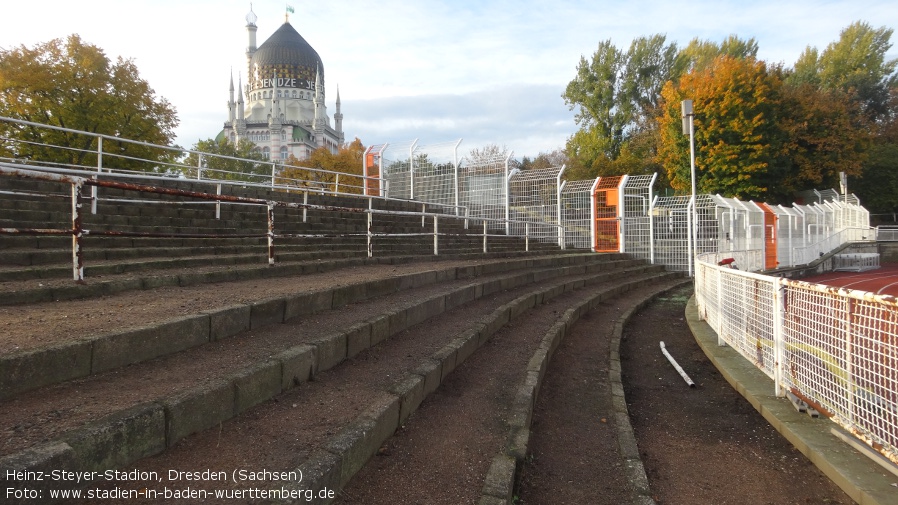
{"x":882,"y":281}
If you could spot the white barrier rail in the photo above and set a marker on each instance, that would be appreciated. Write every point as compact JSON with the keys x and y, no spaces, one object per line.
{"x":77,"y":230}
{"x":887,"y":233}
{"x":836,"y":349}
{"x":805,"y":255}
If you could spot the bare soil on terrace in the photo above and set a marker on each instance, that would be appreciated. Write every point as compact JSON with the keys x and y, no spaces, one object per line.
{"x":701,"y":445}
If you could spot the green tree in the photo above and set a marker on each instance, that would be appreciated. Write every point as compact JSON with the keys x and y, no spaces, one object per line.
{"x":615,"y":94}
{"x":824,"y":134}
{"x":699,"y":54}
{"x":878,"y":186}
{"x":221,"y":159}
{"x":72,"y":84}
{"x":854,"y":64}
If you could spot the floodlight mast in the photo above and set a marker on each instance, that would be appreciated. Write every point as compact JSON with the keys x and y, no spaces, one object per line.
{"x":689,"y":129}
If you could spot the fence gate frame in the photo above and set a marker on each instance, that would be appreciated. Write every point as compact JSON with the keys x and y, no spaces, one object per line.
{"x":606,"y":229}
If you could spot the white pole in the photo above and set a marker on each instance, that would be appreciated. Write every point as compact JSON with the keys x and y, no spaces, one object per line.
{"x":689,"y":124}
{"x":676,"y":366}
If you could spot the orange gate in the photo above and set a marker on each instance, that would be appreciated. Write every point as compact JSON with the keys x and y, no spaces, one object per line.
{"x":606,"y":222}
{"x":770,"y":219}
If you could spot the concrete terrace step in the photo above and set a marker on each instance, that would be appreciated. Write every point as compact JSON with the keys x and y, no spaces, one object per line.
{"x":22,"y":264}
{"x":63,"y":357}
{"x":11,"y":257}
{"x":121,"y":437}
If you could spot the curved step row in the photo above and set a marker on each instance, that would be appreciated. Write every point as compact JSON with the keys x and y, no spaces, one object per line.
{"x":469,"y":432}
{"x":61,"y":357}
{"x":128,"y":434}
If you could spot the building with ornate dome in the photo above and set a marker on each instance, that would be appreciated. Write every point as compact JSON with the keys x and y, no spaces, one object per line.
{"x":282,"y":107}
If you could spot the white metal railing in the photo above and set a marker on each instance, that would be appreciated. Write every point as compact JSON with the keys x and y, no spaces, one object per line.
{"x":887,"y":233}
{"x":836,"y":349}
{"x":77,"y":230}
{"x":856,"y":262}
{"x":807,"y":254}
{"x":172,"y":162}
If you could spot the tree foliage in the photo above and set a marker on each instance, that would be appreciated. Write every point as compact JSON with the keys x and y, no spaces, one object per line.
{"x":221,"y":159}
{"x":762,"y":132}
{"x":878,"y":186}
{"x":615,"y":94}
{"x":73,"y":84}
{"x":735,"y":129}
{"x":699,"y":54}
{"x":347,"y":160}
{"x":824,"y":134}
{"x":552,"y":159}
{"x":487,"y":154}
{"x":854,"y":64}
{"x":758,"y":137}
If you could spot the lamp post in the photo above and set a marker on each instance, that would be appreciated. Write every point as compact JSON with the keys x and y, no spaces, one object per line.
{"x":689,"y":129}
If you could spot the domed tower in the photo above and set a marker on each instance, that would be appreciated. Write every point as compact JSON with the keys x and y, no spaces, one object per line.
{"x":285,"y":112}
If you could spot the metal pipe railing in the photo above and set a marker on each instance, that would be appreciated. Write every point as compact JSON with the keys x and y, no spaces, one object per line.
{"x":78,"y":232}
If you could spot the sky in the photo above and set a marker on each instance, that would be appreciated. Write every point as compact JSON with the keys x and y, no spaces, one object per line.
{"x":480,"y":71}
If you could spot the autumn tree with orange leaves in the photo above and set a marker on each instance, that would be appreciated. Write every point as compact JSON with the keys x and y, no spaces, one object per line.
{"x":343,"y":169}
{"x":756,"y":137}
{"x":736,"y":134}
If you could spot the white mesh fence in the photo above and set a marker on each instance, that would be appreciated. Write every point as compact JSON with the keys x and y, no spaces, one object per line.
{"x":670,"y":222}
{"x":576,"y":213}
{"x":855,"y":262}
{"x":841,"y":351}
{"x":533,"y":198}
{"x":637,"y":221}
{"x":397,"y":169}
{"x":483,"y":189}
{"x":838,"y":349}
{"x":741,"y":224}
{"x":434,"y":176}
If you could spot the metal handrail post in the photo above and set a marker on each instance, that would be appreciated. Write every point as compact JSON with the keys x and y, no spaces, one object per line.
{"x":94,"y":190}
{"x":527,"y":236}
{"x":370,"y":224}
{"x":77,"y":231}
{"x":436,"y":236}
{"x":271,"y":234}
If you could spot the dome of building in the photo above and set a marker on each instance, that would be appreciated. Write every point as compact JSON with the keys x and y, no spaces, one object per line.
{"x":288,"y":56}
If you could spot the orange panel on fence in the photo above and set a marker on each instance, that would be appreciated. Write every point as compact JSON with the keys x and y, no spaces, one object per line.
{"x":770,"y":219}
{"x":605,"y":221}
{"x":372,"y":186}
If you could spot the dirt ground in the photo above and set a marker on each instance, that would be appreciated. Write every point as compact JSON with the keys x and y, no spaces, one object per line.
{"x":706,"y":444}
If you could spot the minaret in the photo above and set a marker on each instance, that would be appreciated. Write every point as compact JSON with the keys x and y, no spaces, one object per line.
{"x":251,"y":19}
{"x":338,"y":118}
{"x":231,"y":104}
{"x":241,"y":119}
{"x":320,"y":120}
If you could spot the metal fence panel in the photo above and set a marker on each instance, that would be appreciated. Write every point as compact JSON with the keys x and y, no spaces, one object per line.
{"x":636,"y":218}
{"x":533,"y":198}
{"x":576,"y":213}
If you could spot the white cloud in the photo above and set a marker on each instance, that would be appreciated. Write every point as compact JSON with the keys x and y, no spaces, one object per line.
{"x":488,"y":71}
